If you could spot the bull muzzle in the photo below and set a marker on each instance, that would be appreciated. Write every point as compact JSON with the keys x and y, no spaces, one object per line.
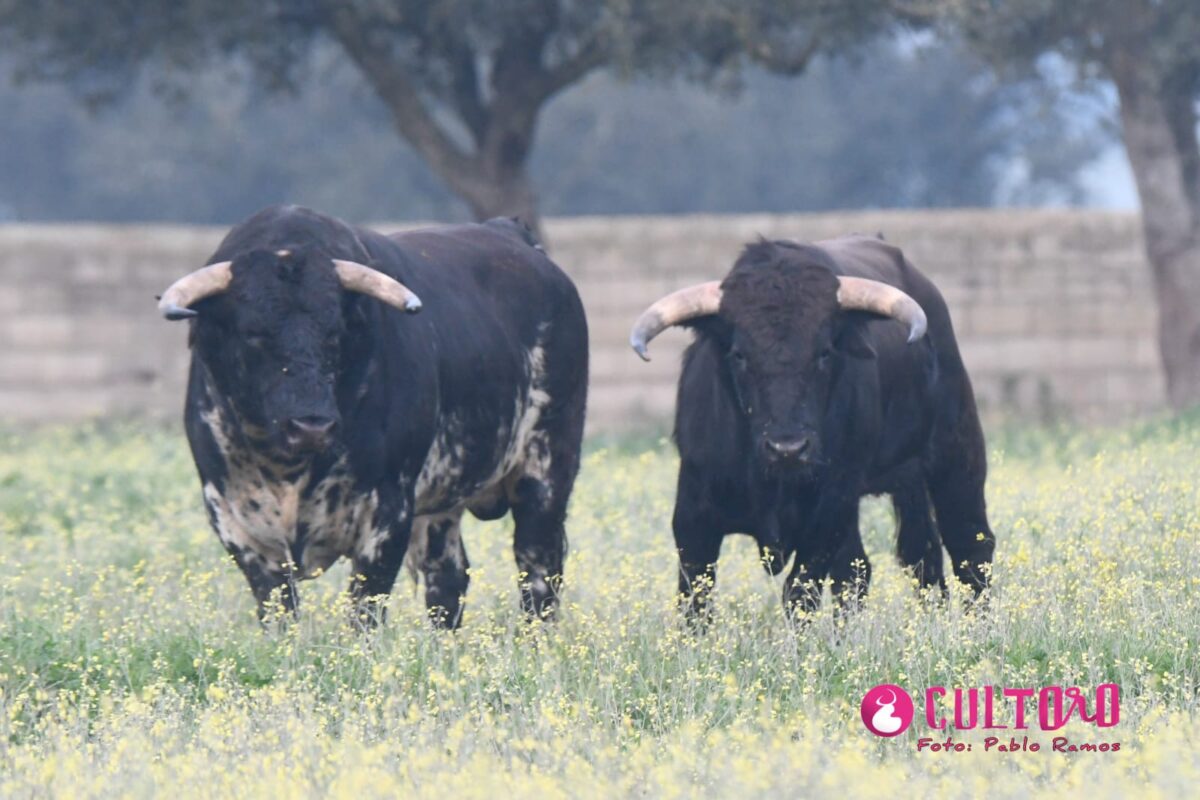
{"x":309,"y":433}
{"x":795,"y":451}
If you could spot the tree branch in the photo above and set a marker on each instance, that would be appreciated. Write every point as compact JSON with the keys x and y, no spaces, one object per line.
{"x":464,"y":91}
{"x":591,"y":55}
{"x":409,"y":113}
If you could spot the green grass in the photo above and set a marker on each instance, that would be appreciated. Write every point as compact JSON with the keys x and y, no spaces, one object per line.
{"x":131,"y":661}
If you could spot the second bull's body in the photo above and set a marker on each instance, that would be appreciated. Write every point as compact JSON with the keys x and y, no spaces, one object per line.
{"x":801,"y":394}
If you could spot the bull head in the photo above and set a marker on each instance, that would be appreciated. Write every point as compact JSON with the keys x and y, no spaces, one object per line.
{"x":278,"y":345}
{"x":777,"y":323}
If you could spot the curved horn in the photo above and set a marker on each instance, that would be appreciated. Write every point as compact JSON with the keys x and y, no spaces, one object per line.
{"x":680,"y":306}
{"x":194,"y":287}
{"x":360,"y":278}
{"x":863,"y":294}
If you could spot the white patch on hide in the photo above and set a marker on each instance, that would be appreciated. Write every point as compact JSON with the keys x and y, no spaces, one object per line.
{"x":417,"y":559}
{"x":263,"y":508}
{"x":525,"y":453}
{"x":443,"y":467}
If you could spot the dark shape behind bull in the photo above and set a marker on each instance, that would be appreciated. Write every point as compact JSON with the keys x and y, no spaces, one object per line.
{"x":326,"y":422}
{"x":801,"y":394}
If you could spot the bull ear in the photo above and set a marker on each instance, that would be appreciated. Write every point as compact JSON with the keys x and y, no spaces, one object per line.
{"x":852,"y":340}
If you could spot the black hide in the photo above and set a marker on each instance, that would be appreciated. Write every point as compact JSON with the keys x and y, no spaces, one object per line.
{"x":789,"y":410}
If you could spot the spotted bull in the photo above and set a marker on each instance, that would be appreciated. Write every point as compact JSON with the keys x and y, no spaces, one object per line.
{"x":328,"y":419}
{"x":820,"y":373}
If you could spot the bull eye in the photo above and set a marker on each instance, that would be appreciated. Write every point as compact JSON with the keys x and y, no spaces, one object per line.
{"x":738,"y":358}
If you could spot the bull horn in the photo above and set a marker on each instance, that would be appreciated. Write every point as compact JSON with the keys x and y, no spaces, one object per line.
{"x":360,"y":278}
{"x":194,"y":287}
{"x":680,"y":306}
{"x":863,"y":294}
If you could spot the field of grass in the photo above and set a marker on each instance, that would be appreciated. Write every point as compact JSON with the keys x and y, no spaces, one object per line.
{"x":131,"y":661}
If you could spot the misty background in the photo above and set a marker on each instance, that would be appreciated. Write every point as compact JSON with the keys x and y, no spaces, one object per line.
{"x":906,"y":123}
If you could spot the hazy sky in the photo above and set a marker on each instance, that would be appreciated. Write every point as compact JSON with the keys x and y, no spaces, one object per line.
{"x":1109,"y":183}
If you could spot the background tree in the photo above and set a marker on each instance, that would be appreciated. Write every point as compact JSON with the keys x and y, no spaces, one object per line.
{"x":464,"y":81}
{"x":899,"y":125}
{"x":1148,"y":50}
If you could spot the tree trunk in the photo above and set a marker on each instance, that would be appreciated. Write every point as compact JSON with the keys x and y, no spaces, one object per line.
{"x":511,"y":196}
{"x":1159,"y":130}
{"x":492,"y":179}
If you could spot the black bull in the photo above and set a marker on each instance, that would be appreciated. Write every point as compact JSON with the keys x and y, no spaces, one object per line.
{"x":326,"y":422}
{"x":792,"y":406}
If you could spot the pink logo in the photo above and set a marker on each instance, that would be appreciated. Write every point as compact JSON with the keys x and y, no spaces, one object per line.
{"x":887,"y":710}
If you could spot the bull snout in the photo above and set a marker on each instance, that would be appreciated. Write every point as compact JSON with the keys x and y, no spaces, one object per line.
{"x":791,"y":450}
{"x":310,"y":432}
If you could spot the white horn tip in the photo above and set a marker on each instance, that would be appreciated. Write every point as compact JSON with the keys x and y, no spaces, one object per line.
{"x":413,"y":304}
{"x":176,"y":313}
{"x":917,"y":330}
{"x":173,"y":312}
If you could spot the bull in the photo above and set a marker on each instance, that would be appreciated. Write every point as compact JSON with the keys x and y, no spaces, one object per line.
{"x":326,"y":420}
{"x":821,"y":373}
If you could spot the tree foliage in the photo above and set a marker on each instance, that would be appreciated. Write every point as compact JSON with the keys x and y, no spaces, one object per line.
{"x":896,"y":126}
{"x":464,"y":81}
{"x":1147,"y":50}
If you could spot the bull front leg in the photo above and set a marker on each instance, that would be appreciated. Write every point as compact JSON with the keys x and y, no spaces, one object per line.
{"x":698,"y":542}
{"x":436,"y":551}
{"x":274,"y":590}
{"x":377,"y":560}
{"x":829,"y":548}
{"x":850,"y":570}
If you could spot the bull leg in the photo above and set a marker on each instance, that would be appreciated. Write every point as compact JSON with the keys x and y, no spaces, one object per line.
{"x":918,"y":544}
{"x":698,"y":542}
{"x":834,"y":550}
{"x":377,"y":561}
{"x":264,"y":582}
{"x":957,"y":471}
{"x":961,"y":510}
{"x":538,"y":498}
{"x":802,"y":589}
{"x":699,"y":547}
{"x":850,"y":571}
{"x":437,"y":551}
{"x":540,"y":545}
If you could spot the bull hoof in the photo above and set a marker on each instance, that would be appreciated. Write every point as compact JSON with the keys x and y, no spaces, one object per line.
{"x":698,"y":613}
{"x":539,"y":600}
{"x":979,"y":603}
{"x":445,"y":617}
{"x":366,"y":616}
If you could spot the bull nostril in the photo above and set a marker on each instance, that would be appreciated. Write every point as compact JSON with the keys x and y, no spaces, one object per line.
{"x":311,"y":426}
{"x":790,"y":448}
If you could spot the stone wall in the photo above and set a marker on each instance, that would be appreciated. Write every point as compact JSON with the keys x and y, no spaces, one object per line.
{"x":1053,"y":308}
